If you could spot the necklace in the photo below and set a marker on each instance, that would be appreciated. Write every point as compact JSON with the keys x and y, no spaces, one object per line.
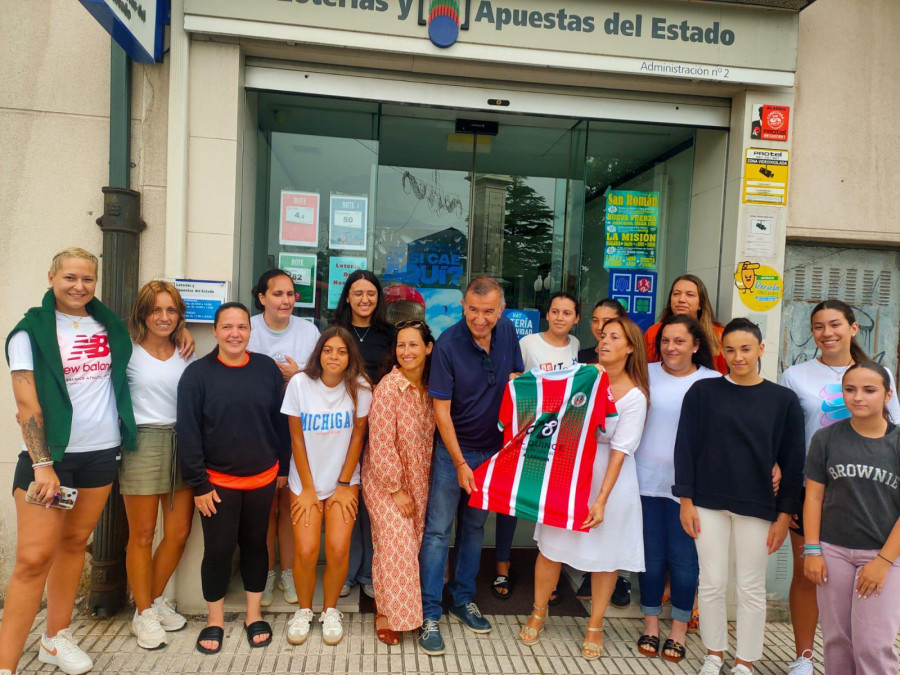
{"x":73,"y":319}
{"x":361,"y":338}
{"x":839,"y":371}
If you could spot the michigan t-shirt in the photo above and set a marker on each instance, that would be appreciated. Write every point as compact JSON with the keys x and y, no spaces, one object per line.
{"x":87,"y":366}
{"x":327,"y":415}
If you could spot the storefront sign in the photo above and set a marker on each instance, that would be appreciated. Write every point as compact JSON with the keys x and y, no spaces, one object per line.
{"x":525,"y":321}
{"x":770,"y":122}
{"x":201,"y":298}
{"x":299,"y":218}
{"x":684,"y":35}
{"x":766,"y":176}
{"x":759,"y":286}
{"x":636,"y":292}
{"x":632,"y":219}
{"x":302,"y":268}
{"x":348,"y":222}
{"x":339,"y":268}
{"x":136,"y":25}
{"x":427,"y":263}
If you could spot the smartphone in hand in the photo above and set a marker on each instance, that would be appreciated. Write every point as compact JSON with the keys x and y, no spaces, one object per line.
{"x":64,"y":499}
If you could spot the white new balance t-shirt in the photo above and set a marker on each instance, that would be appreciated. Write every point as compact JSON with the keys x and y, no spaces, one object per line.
{"x":327,"y":415}
{"x":297,"y":340}
{"x":655,"y":456}
{"x":154,"y":385}
{"x":87,"y":366}
{"x":538,"y":353}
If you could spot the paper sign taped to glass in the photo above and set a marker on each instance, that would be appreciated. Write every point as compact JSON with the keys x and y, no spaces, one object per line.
{"x":543,"y":471}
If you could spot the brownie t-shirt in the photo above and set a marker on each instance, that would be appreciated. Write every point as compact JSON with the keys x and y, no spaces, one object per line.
{"x":862,"y":484}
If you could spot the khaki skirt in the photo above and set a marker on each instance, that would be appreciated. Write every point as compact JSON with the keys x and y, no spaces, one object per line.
{"x":153,"y":468}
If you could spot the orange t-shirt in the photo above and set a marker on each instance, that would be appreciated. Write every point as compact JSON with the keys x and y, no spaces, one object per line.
{"x":652,"y":356}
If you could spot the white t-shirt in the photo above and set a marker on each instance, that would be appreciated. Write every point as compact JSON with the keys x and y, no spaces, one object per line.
{"x":328,"y":416}
{"x":655,"y":457}
{"x":538,"y":353}
{"x":297,"y":340}
{"x":87,"y":368}
{"x":154,"y":385}
{"x":819,"y":389}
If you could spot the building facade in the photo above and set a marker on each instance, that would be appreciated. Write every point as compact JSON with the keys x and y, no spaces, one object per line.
{"x":598,"y":147}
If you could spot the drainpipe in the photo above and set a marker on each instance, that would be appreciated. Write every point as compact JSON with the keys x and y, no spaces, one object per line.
{"x":121,"y":225}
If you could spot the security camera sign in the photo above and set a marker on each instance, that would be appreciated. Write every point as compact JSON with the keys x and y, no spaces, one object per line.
{"x":766,"y":176}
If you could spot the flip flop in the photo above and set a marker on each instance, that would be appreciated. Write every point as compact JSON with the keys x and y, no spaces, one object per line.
{"x":387,"y":635}
{"x":211,"y":633}
{"x":258,"y":628}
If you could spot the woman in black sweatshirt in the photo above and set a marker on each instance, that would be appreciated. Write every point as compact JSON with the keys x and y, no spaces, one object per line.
{"x":731,"y":432}
{"x":229,"y":405}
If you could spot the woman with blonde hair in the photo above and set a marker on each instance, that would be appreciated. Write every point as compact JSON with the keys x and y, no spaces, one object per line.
{"x":614,"y":541}
{"x":68,"y":359}
{"x":150,"y":477}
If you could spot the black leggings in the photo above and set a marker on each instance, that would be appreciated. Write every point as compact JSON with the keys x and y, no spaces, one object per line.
{"x":241,"y":519}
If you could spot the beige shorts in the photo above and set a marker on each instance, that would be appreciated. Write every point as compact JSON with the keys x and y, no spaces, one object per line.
{"x":153,"y":468}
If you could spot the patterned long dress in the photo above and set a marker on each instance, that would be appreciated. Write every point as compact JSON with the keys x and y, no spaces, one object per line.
{"x":401,"y":439}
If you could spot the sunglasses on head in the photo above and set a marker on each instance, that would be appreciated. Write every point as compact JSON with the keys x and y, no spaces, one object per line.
{"x":410,"y":323}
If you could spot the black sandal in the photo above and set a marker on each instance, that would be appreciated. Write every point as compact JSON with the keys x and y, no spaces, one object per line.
{"x":210,"y":634}
{"x":648,"y":645}
{"x":504,"y":581}
{"x":671,"y":646}
{"x":556,"y":595}
{"x":258,"y":628}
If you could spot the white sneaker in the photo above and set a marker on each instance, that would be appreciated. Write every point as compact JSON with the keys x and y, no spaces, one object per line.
{"x":146,"y":627}
{"x":4,"y":671}
{"x":332,"y":629}
{"x":345,"y":590}
{"x":267,"y":592}
{"x":741,"y":669}
{"x":803,"y":665}
{"x":63,"y":652}
{"x":712,"y":665}
{"x":286,"y":585}
{"x":169,"y":619}
{"x":298,"y":627}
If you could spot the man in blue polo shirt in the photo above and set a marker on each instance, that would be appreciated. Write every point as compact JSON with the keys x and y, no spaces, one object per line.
{"x":472,"y":362}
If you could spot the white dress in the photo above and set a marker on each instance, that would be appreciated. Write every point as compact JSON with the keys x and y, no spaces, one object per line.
{"x":618,"y":542}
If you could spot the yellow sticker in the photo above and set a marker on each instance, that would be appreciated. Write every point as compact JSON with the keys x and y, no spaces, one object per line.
{"x":766,"y":176}
{"x":759,"y":286}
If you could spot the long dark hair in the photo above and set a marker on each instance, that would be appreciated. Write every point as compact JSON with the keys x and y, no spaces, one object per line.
{"x":857,"y":353}
{"x":343,"y":316}
{"x":427,"y":338}
{"x":614,"y":305}
{"x":262,"y":286}
{"x":705,"y":314}
{"x":355,"y":373}
{"x":875,"y":368}
{"x":703,"y":355}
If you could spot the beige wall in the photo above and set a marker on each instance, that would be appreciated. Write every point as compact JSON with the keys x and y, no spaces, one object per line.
{"x":54,"y":131}
{"x":846,"y":138}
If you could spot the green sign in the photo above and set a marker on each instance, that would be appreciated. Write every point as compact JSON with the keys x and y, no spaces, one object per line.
{"x":302,"y":268}
{"x":632,"y":219}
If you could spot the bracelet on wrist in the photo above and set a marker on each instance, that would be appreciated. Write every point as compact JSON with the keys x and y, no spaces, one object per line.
{"x":889,"y":562}
{"x":42,"y":463}
{"x":460,"y":463}
{"x":344,"y":483}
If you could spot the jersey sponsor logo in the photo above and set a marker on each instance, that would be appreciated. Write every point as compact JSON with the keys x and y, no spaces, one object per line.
{"x":93,"y":347}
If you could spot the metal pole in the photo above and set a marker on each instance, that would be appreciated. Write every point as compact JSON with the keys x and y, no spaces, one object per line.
{"x":121,"y":224}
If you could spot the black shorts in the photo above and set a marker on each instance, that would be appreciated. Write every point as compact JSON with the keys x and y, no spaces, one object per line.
{"x":93,"y":469}
{"x":799,"y":530}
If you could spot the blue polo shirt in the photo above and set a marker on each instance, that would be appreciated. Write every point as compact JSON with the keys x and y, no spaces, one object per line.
{"x":474,"y":381}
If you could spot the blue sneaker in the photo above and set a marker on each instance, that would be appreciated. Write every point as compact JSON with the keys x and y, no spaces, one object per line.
{"x":430,"y":639}
{"x":470,"y":616}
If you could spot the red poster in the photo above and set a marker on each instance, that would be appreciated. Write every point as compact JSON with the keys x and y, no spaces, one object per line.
{"x":299,"y":218}
{"x":770,"y":122}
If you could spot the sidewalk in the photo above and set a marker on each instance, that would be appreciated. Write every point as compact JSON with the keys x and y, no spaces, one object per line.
{"x":114,"y":650}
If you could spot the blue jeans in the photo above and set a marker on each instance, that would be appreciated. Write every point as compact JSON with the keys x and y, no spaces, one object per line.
{"x":504,"y":532}
{"x":447,"y":500}
{"x":360,"y":569}
{"x":667,"y":548}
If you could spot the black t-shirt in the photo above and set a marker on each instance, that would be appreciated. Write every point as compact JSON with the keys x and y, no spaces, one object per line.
{"x":588,"y":355}
{"x":862,"y":484}
{"x":374,"y":345}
